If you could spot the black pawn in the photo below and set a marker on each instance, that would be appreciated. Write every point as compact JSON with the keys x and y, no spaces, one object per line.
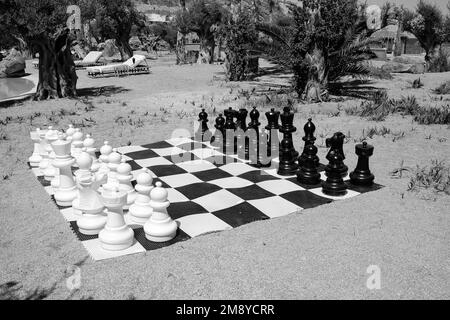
{"x":308,"y":173}
{"x":203,"y":119}
{"x":229,"y":127}
{"x":335,"y":185}
{"x":241,"y":143}
{"x":219,"y":136}
{"x":287,"y":166}
{"x":252,"y":149}
{"x":362,"y":175}
{"x":272,"y":125}
{"x":309,"y":139}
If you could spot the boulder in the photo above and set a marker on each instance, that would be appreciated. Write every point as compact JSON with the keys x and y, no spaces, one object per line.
{"x":395,"y":67}
{"x":13,"y":65}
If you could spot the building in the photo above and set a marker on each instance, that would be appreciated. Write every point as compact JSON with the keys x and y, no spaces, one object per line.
{"x":386,"y":39}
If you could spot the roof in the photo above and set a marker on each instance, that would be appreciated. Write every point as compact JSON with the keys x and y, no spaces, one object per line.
{"x":390,"y":32}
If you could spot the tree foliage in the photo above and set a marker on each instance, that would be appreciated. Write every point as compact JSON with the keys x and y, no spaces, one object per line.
{"x":42,"y":25}
{"x":428,"y":27}
{"x":113,"y":19}
{"x":326,"y":45}
{"x":239,"y":35}
{"x":202,"y":17}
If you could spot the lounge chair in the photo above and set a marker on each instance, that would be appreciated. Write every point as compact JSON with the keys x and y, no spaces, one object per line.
{"x":90,"y":60}
{"x":137,"y":64}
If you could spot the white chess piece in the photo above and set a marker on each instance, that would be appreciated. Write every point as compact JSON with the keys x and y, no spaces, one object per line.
{"x":116,"y":235}
{"x":114,"y":159}
{"x":77,"y":142}
{"x":50,"y":172}
{"x":160,"y":227}
{"x":67,"y":190}
{"x":35,"y":158}
{"x":84,"y":162}
{"x":43,"y":164}
{"x":124,"y":177}
{"x":90,"y":204}
{"x":89,"y":144}
{"x":105,"y":151}
{"x":141,"y":210}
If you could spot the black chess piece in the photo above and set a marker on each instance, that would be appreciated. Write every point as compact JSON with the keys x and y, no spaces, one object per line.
{"x":335,"y":185}
{"x":203,"y":128}
{"x":362,"y":175}
{"x":241,"y":141}
{"x":229,"y":127}
{"x":287,"y":166}
{"x":252,"y":150}
{"x":218,"y":139}
{"x":308,"y":174}
{"x":273,"y":143}
{"x":309,"y":139}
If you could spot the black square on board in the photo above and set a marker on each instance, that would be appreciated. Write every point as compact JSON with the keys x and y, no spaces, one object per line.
{"x":212,"y":174}
{"x":80,"y":236}
{"x":305,"y":199}
{"x":240,"y":214}
{"x":166,"y":170}
{"x":181,"y":157}
{"x":363,"y":189}
{"x":256,"y":176}
{"x":181,"y":209}
{"x":157,"y":145}
{"x":305,"y":186}
{"x":148,"y":245}
{"x":197,"y":190}
{"x":134,"y":165}
{"x":143,"y":154}
{"x":252,"y":192}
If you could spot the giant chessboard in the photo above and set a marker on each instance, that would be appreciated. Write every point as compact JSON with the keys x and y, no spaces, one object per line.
{"x":208,"y":191}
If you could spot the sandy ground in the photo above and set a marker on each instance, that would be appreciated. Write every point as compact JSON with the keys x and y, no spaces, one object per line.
{"x":321,"y":253}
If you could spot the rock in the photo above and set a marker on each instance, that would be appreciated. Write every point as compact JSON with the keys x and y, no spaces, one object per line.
{"x":13,"y":65}
{"x":395,"y":67}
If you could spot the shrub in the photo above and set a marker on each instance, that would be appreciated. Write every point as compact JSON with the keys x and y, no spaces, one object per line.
{"x":443,"y":88}
{"x":439,"y":62}
{"x":435,"y":177}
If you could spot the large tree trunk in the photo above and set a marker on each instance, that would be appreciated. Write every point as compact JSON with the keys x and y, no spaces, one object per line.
{"x":181,"y":49}
{"x":123,"y":44}
{"x":57,"y":75}
{"x":206,"y":55}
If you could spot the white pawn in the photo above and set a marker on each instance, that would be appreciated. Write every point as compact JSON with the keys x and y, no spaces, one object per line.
{"x":50,"y":172}
{"x":35,"y":158}
{"x":69,"y":132}
{"x":114,"y":159}
{"x":105,"y":151}
{"x":43,"y":164}
{"x":124,"y":177}
{"x":67,"y":190}
{"x":90,"y":204}
{"x":89,"y":143}
{"x":77,"y":142}
{"x":84,"y":162}
{"x":116,"y":235}
{"x":160,"y":227}
{"x":141,"y":210}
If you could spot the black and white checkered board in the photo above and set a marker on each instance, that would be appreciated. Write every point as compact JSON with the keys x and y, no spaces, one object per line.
{"x":208,"y":191}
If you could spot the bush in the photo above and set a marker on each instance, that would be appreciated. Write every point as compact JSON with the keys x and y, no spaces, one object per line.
{"x":239,"y":34}
{"x":435,"y":177}
{"x":443,"y":88}
{"x":379,"y":73}
{"x":439,"y":62}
